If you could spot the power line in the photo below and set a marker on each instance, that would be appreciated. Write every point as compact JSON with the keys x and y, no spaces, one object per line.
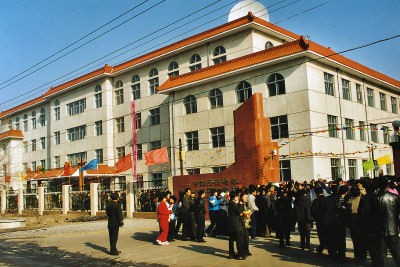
{"x":87,"y":42}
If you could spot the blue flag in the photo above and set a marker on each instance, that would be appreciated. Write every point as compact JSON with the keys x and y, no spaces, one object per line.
{"x":92,"y":165}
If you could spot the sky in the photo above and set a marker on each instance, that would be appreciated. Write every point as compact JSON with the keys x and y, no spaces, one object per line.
{"x":32,"y":32}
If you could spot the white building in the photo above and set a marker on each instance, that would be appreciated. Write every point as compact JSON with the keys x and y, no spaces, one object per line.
{"x":325,"y":109}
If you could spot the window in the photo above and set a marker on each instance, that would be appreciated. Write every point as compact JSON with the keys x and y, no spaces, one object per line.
{"x":195,"y":62}
{"x":393,"y":100}
{"x":25,"y":123}
{"x":329,"y":84}
{"x":359,"y":94}
{"x":99,"y":155}
{"x":346,"y":89}
{"x":119,"y":93}
{"x":193,"y":171}
{"x":98,"y":97}
{"x":157,"y":179}
{"x":25,"y":166}
{"x":192,"y":140}
{"x":349,"y":124}
{"x":155,"y":145}
{"x":33,"y":165}
{"x":138,"y":120}
{"x":120,"y":152}
{"x":120,"y":124}
{"x":279,"y":127}
{"x":153,"y":81}
{"x":42,"y":117}
{"x":352,"y":168}
{"x":155,"y":116}
{"x":17,"y":125}
{"x":332,"y":126}
{"x":268,"y":45}
{"x":76,"y":107}
{"x":33,"y":120}
{"x":57,"y":162}
{"x":374,"y":133}
{"x":370,"y":97}
{"x":276,"y":84}
{"x":77,"y":158}
{"x":362,"y":130}
{"x":335,"y":169}
{"x":218,"y":136}
{"x":389,"y":169}
{"x":218,"y":169}
{"x":243,"y":91}
{"x":42,"y":142}
{"x":219,"y":55}
{"x":385,"y":134}
{"x":98,"y":128}
{"x":139,"y":151}
{"x":135,"y":87}
{"x":25,"y":146}
{"x":57,"y":110}
{"x":382,"y":98}
{"x":190,"y":104}
{"x":57,"y":138}
{"x":365,"y":172}
{"x":34,"y":145}
{"x":173,"y":69}
{"x":285,"y":170}
{"x":216,"y":99}
{"x":43,"y":164}
{"x":76,"y":133}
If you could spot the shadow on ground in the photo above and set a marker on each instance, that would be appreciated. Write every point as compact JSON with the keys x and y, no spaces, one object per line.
{"x":146,"y":236}
{"x":30,"y":254}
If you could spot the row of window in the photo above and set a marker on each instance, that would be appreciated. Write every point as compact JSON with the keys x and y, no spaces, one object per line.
{"x":336,"y":168}
{"x":349,"y":128}
{"x":347,"y":94}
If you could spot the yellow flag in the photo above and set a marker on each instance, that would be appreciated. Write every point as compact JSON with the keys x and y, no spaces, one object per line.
{"x":384,"y":160}
{"x":23,"y":176}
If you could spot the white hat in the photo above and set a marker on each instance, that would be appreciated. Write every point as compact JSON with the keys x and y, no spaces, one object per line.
{"x":222,"y":194}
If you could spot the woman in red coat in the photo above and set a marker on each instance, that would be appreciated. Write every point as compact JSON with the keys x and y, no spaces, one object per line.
{"x":163,"y":219}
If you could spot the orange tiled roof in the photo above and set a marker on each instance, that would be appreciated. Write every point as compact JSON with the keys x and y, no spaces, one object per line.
{"x":56,"y":173}
{"x":22,"y":106}
{"x":250,"y":18}
{"x":277,"y":52}
{"x":105,"y":70}
{"x":11,"y":134}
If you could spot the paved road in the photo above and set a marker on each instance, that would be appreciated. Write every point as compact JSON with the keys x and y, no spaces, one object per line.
{"x":86,"y":244}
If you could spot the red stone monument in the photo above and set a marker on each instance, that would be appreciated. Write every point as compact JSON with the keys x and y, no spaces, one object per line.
{"x":256,"y":156}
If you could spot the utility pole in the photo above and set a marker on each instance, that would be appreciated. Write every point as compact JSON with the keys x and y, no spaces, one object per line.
{"x":81,"y":179}
{"x":180,"y":156}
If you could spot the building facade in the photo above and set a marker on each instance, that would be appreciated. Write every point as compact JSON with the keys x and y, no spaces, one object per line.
{"x":328,"y":113}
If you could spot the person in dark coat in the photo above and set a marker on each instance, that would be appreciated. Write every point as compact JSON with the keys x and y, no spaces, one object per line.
{"x":115,"y":221}
{"x":335,"y":221}
{"x":302,"y":206}
{"x":186,"y":212}
{"x":199,"y":212}
{"x":235,"y":227}
{"x":388,"y":223}
{"x":318,"y":212}
{"x":285,"y":213}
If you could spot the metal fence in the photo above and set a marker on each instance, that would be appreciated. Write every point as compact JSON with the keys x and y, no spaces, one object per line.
{"x":12,"y":201}
{"x":52,"y":200}
{"x":31,"y":199}
{"x":79,"y":200}
{"x":104,"y":195}
{"x":147,"y":193}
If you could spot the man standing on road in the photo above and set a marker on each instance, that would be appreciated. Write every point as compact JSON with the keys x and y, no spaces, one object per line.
{"x":115,"y":220}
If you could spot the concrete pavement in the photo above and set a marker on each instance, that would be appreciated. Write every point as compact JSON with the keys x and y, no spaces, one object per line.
{"x":86,"y":244}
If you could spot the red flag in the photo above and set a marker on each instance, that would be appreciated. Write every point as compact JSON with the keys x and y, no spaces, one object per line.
{"x":156,"y":156}
{"x":67,"y":168}
{"x":124,"y":163}
{"x":7,"y":179}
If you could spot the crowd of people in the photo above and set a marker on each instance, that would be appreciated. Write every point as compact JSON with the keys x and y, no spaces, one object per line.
{"x":368,"y":208}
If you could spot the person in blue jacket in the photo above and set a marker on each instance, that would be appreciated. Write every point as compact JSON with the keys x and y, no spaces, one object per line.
{"x":213,"y":209}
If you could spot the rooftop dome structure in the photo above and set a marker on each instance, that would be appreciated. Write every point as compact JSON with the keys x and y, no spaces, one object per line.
{"x":242,"y":8}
